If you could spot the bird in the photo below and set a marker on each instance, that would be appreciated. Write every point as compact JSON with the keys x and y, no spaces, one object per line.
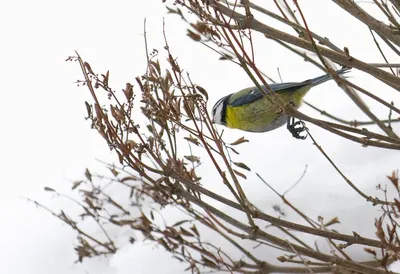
{"x":250,"y":110}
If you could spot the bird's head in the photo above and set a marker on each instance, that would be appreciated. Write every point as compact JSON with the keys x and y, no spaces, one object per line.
{"x":219,"y":111}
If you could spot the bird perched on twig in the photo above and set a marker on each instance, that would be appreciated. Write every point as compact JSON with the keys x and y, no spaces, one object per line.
{"x":250,"y":110}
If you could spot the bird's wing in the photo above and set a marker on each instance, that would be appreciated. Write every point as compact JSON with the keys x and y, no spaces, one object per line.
{"x":249,"y":95}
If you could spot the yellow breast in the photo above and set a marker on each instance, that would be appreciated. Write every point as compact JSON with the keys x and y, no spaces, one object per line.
{"x":261,"y":115}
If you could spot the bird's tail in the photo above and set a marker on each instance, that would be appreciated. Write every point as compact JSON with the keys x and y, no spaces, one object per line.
{"x":322,"y":79}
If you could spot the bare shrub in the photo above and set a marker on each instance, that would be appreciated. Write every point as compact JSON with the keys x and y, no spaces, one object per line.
{"x":154,"y":167}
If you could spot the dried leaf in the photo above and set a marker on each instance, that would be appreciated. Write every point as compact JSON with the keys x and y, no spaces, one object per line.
{"x":88,"y":68}
{"x":173,"y":63}
{"x":88,"y":109}
{"x":105,"y":78}
{"x":114,"y":171}
{"x":91,"y":205}
{"x":370,"y":251}
{"x":192,"y":140}
{"x":117,"y":114}
{"x":177,"y":258}
{"x":333,"y":221}
{"x":180,"y":223}
{"x":384,"y":260}
{"x":239,"y":141}
{"x":155,"y":68}
{"x":128,"y":91}
{"x":233,"y":150}
{"x":187,"y":109}
{"x":202,"y":91}
{"x":121,"y":222}
{"x":88,"y":175}
{"x":168,"y":76}
{"x":193,"y":158}
{"x":186,"y":233}
{"x":225,"y":57}
{"x":196,"y":37}
{"x":152,"y":79}
{"x":76,"y":184}
{"x":131,"y":144}
{"x":208,"y":262}
{"x":165,"y":86}
{"x":164,"y":244}
{"x":394,"y":178}
{"x":239,"y":174}
{"x":129,"y":178}
{"x":194,"y":229}
{"x":176,"y":107}
{"x":46,"y":188}
{"x":200,"y":27}
{"x":242,"y":165}
{"x":397,"y":203}
{"x":282,"y":259}
{"x":177,"y":11}
{"x":120,"y":157}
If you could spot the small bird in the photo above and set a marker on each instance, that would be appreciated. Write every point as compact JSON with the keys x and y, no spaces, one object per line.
{"x":250,"y":110}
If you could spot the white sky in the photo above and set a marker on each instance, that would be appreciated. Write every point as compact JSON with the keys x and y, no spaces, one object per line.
{"x":45,"y":140}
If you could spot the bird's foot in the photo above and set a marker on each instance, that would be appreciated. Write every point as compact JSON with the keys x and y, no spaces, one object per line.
{"x":296,"y":128}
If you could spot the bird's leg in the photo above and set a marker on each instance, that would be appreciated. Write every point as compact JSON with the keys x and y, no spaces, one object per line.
{"x":296,"y":127}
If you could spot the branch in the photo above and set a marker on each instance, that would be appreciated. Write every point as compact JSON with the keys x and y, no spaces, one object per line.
{"x":378,"y":26}
{"x":339,"y":58}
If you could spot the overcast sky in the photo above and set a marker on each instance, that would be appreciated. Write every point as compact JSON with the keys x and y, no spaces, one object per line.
{"x":45,"y":140}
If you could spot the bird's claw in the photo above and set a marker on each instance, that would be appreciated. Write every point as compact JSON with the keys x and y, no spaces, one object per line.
{"x":296,"y":128}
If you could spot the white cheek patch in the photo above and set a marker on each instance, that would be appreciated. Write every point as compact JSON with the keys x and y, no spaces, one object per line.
{"x":217,"y":112}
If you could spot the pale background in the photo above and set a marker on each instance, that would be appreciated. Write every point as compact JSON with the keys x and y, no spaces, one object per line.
{"x":45,"y":140}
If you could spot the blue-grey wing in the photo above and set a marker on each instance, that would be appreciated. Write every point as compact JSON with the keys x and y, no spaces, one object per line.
{"x":250,"y":95}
